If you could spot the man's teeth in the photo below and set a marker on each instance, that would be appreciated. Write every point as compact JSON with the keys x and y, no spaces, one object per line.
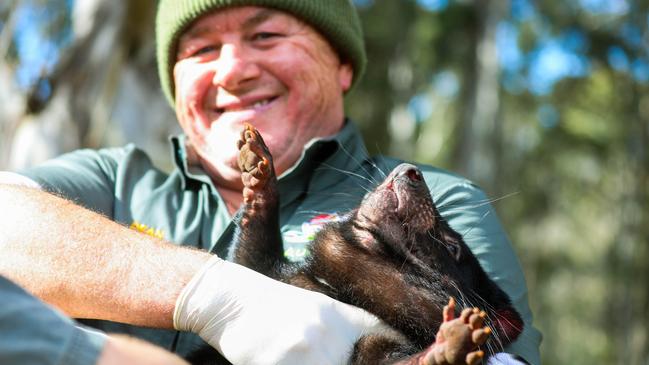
{"x":256,"y":105}
{"x":260,"y":103}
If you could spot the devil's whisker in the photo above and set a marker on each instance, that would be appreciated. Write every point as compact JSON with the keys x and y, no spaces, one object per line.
{"x":360,"y":163}
{"x":351,"y":173}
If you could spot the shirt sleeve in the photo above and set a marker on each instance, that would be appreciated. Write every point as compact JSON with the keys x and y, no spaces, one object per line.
{"x":34,"y":333}
{"x":469,"y":212}
{"x":87,"y":177}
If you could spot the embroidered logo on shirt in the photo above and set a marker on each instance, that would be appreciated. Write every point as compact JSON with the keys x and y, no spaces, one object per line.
{"x":296,"y":241}
{"x":140,"y":227}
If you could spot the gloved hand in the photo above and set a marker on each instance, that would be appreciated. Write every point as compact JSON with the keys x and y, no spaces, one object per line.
{"x":252,"y":319}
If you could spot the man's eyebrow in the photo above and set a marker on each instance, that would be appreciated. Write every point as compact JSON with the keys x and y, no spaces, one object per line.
{"x":261,"y":16}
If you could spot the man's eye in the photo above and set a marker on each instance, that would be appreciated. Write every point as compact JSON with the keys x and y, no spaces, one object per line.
{"x":190,"y":51}
{"x":204,"y":50}
{"x":265,"y":35}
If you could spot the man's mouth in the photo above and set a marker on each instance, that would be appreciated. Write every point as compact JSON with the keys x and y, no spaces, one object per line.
{"x":256,"y":106}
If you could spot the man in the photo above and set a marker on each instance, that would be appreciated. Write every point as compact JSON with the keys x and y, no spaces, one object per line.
{"x":284,"y":66}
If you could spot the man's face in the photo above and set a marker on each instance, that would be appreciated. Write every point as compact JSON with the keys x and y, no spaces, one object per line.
{"x":265,"y":67}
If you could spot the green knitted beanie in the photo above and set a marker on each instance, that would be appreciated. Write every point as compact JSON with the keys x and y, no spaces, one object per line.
{"x":336,"y":20}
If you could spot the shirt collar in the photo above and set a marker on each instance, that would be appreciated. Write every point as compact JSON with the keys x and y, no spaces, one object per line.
{"x":344,"y":152}
{"x":191,"y":173}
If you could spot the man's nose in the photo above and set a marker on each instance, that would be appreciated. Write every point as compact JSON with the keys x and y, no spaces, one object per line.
{"x":234,"y":67}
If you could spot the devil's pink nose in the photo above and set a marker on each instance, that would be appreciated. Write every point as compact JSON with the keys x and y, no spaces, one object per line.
{"x":414,"y":174}
{"x":411,"y":172}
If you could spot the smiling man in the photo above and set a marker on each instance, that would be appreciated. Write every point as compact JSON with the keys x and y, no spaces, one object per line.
{"x":258,"y":65}
{"x":284,"y":66}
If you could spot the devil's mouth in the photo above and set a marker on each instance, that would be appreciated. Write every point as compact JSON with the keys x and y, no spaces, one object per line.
{"x":396,"y":200}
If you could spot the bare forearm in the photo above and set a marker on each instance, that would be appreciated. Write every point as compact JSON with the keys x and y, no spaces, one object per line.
{"x":87,"y":265}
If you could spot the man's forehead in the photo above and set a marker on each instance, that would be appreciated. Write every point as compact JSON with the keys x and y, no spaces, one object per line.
{"x":243,"y":17}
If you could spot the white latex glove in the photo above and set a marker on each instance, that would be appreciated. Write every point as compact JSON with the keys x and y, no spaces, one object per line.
{"x":252,"y":319}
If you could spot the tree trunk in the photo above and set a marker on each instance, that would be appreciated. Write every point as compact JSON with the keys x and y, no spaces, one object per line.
{"x":105,"y":88}
{"x":629,"y":298}
{"x":477,"y":153}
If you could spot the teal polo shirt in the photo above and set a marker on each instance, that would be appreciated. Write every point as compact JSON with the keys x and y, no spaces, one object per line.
{"x":33,"y":333}
{"x":329,"y":179}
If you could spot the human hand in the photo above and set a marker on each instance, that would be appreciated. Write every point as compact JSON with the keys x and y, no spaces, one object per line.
{"x":252,"y":319}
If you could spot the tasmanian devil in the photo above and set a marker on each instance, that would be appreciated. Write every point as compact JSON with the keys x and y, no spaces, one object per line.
{"x":394,"y":256}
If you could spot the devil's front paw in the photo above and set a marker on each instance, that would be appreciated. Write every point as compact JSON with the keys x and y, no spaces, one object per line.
{"x":458,"y":339}
{"x":255,"y":162}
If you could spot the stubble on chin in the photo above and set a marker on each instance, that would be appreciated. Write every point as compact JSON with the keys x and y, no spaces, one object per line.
{"x":220,"y":165}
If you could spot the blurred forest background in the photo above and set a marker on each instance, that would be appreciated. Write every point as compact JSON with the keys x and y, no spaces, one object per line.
{"x":544,"y":103}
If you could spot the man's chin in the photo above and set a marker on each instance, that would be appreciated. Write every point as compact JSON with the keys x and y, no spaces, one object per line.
{"x":221,"y":168}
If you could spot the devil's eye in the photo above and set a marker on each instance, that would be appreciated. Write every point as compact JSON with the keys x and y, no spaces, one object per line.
{"x":454,"y":250}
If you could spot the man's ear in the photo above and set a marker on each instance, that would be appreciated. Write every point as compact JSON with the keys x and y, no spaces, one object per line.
{"x":345,"y":76}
